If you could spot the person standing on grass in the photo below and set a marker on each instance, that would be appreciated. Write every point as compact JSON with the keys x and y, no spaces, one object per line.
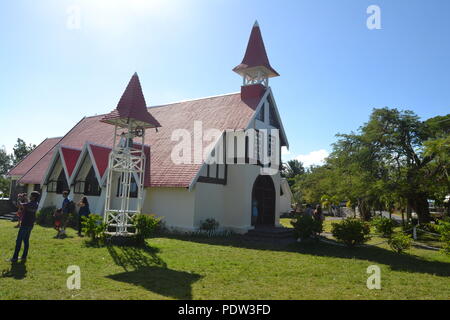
{"x":309,"y":211}
{"x":26,"y":226}
{"x":318,"y":216}
{"x":84,"y":211}
{"x":66,"y":210}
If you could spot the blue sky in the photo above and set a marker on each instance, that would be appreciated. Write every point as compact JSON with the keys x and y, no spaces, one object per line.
{"x":334,"y":70}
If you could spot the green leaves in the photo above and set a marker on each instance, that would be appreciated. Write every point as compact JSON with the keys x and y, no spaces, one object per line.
{"x":393,"y":160}
{"x":400,"y":242}
{"x":146,"y":225}
{"x":384,"y":225}
{"x":21,"y":150}
{"x":351,"y":231}
{"x":305,"y":226}
{"x":93,"y":226}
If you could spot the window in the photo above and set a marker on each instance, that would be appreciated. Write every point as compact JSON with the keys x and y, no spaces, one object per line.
{"x":269,"y":146}
{"x":273,"y":119}
{"x":91,"y":185}
{"x":133,"y":187}
{"x":79,"y":187}
{"x":51,"y":186}
{"x":61,"y":183}
{"x":260,"y":115}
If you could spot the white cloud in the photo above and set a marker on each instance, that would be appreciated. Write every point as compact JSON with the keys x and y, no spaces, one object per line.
{"x":313,"y":158}
{"x":285,"y":151}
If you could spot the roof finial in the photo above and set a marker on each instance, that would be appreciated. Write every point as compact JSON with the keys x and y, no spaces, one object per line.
{"x":256,"y":24}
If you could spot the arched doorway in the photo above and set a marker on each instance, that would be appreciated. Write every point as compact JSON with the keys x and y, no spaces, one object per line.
{"x":263,"y":199}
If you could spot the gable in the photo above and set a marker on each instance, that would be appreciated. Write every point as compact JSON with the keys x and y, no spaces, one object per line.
{"x":63,"y":157}
{"x":268,"y":117}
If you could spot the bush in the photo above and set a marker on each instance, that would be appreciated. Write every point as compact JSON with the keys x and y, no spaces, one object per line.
{"x":384,"y":225}
{"x":44,"y":217}
{"x":72,"y":220}
{"x":93,"y":226}
{"x":444,"y":229}
{"x":400,"y":242}
{"x":145,"y":225}
{"x":306,"y":226}
{"x":430,"y":227}
{"x":351,"y":231}
{"x":209,"y":225}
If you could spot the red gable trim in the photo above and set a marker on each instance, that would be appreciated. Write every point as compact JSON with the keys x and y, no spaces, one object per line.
{"x":69,"y":157}
{"x":100,"y":157}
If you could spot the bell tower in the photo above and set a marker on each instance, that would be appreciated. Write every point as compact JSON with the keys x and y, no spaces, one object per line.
{"x":255,"y":68}
{"x":127,"y":161}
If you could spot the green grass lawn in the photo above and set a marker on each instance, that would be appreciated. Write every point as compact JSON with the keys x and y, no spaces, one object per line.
{"x":185,"y":267}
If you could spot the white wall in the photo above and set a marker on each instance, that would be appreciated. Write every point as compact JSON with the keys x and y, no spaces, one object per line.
{"x":52,"y":198}
{"x":230,"y":205}
{"x":174,"y":205}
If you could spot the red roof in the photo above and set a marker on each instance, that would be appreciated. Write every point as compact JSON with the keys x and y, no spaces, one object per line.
{"x":222,"y":112}
{"x":132,"y":106}
{"x":100,"y":156}
{"x":33,"y":157}
{"x":70,"y":158}
{"x":256,"y":55}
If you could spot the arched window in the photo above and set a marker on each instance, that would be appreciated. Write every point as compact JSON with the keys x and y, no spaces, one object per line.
{"x":91,"y":185}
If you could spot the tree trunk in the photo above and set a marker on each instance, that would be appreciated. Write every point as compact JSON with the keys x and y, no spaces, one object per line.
{"x":419,"y":203}
{"x":364,"y":210}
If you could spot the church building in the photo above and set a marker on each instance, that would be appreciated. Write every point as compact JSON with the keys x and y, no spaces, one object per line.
{"x":217,"y":157}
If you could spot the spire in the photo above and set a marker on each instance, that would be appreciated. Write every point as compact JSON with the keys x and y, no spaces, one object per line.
{"x":132,"y":106}
{"x":255,"y":67}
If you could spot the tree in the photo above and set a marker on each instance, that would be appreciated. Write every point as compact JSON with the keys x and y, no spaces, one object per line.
{"x":4,"y":186}
{"x":393,"y":160}
{"x":5,"y":162}
{"x":291,"y":169}
{"x":21,"y":150}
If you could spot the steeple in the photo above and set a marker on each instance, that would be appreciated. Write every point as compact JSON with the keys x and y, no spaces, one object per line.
{"x":255,"y":68}
{"x":132,"y":108}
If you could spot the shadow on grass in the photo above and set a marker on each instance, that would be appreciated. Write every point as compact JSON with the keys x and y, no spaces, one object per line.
{"x":144,"y":268}
{"x":129,"y":257}
{"x":17,"y":271}
{"x":397,"y":262}
{"x":166,"y":282}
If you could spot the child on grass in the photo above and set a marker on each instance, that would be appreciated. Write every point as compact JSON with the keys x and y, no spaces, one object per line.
{"x":58,"y":217}
{"x":21,"y":199}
